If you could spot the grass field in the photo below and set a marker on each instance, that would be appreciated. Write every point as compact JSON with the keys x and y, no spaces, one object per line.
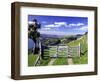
{"x":60,"y":61}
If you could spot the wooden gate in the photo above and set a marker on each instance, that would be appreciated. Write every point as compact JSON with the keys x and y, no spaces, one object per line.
{"x":60,"y":51}
{"x":64,"y":51}
{"x":74,"y":51}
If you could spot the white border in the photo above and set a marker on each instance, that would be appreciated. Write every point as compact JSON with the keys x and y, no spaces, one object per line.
{"x":25,"y":70}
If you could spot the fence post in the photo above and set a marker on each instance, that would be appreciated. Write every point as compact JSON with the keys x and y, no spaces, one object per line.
{"x":79,"y":50}
{"x":57,"y":51}
{"x":40,"y":49}
{"x":69,"y":52}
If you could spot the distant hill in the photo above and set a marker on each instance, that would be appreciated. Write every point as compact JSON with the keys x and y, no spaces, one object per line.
{"x":51,"y":36}
{"x":82,"y":40}
{"x":59,"y":36}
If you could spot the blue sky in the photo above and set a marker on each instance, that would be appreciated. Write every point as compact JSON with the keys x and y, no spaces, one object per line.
{"x":60,"y":25}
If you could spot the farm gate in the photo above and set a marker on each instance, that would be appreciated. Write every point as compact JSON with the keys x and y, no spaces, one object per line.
{"x":60,"y":51}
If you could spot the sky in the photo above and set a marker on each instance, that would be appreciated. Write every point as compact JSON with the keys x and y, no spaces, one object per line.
{"x":60,"y":25}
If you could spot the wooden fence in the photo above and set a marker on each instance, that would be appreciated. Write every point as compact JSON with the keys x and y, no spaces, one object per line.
{"x":60,"y":51}
{"x":64,"y":51}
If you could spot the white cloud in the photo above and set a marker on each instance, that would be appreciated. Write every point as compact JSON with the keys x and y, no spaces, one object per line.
{"x":81,"y":29}
{"x":80,"y":24}
{"x":51,"y":25}
{"x":64,"y":24}
{"x":60,"y":23}
{"x":70,"y":25}
{"x":84,"y":28}
{"x":77,"y":24}
{"x":57,"y":24}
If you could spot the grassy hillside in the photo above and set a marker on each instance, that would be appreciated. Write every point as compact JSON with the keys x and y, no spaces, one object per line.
{"x":84,"y":50}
